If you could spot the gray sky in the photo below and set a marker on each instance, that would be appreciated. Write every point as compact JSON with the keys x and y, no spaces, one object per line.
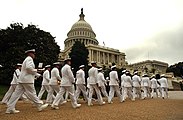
{"x":143,"y":29}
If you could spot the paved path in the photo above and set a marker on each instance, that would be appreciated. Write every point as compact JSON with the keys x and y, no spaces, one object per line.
{"x":176,"y":95}
{"x":149,"y":109}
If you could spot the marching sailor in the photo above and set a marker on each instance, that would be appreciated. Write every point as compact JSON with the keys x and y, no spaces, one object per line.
{"x":93,"y":71}
{"x":13,"y":83}
{"x":66,"y":85}
{"x":136,"y":85}
{"x":164,"y":86}
{"x":80,"y":83}
{"x":154,"y":85}
{"x":127,"y":87}
{"x":54,"y":82}
{"x":145,"y":83}
{"x":114,"y":85}
{"x":26,"y":84}
{"x":122,"y":81}
{"x":101,"y":82}
{"x":45,"y":83}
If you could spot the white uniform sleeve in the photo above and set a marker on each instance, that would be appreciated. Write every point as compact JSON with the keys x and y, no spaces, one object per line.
{"x":57,"y":75}
{"x":83,"y":76}
{"x":70,"y":74}
{"x":30,"y":68}
{"x":47,"y":76}
{"x":116,"y":75}
{"x":95,"y":75}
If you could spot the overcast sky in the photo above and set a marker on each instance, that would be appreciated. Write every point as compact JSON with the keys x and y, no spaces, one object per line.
{"x":143,"y":29}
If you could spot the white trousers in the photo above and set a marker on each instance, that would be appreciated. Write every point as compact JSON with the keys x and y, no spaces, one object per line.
{"x":43,"y":89}
{"x":104,"y":92}
{"x":127,"y":92}
{"x":164,"y":92}
{"x":81,"y":88}
{"x":113,"y":89}
{"x":159,"y":91}
{"x":52,"y":89}
{"x":136,"y":92}
{"x":67,"y":93}
{"x":152,"y":92}
{"x":10,"y":92}
{"x":19,"y":90}
{"x":122,"y":90}
{"x":59,"y":97}
{"x":97,"y":90}
{"x":146,"y":91}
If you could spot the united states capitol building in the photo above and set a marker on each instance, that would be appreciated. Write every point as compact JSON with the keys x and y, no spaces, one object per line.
{"x":104,"y":56}
{"x":83,"y":32}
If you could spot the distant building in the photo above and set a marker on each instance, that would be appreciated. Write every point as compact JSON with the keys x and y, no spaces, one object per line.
{"x":82,"y":31}
{"x":149,"y":66}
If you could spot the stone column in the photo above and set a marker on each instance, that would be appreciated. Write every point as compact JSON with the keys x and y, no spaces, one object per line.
{"x":107,"y":58}
{"x":99,"y":57}
{"x":103,"y":58}
{"x":90,"y":56}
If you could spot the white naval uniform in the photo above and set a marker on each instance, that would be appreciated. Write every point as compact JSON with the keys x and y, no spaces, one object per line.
{"x":26,"y":84}
{"x":114,"y":86}
{"x":136,"y":86}
{"x":101,"y":83}
{"x":66,"y":85}
{"x":122,"y":83}
{"x":92,"y":73}
{"x":127,"y":87}
{"x":45,"y":84}
{"x":154,"y":85}
{"x":13,"y":83}
{"x":164,"y":87}
{"x":80,"y":84}
{"x":145,"y":83}
{"x":159,"y":89}
{"x":54,"y":86}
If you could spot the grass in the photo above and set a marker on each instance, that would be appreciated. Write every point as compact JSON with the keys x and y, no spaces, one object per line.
{"x":3,"y":90}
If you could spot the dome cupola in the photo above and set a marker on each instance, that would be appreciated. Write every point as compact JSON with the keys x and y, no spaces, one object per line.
{"x":81,"y":31}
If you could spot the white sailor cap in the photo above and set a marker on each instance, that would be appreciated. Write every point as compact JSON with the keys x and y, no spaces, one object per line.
{"x":145,"y":74}
{"x":56,"y":63}
{"x":163,"y":75}
{"x":47,"y":66}
{"x":99,"y":69}
{"x":152,"y":76}
{"x":127,"y":72}
{"x":93,"y":62}
{"x":81,"y":66}
{"x":135,"y":72}
{"x":31,"y":50}
{"x":18,"y":64}
{"x":114,"y":66}
{"x":67,"y":59}
{"x":123,"y":71}
{"x":1,"y":66}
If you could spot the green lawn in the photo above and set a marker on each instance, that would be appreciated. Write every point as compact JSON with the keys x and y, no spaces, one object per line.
{"x":3,"y":90}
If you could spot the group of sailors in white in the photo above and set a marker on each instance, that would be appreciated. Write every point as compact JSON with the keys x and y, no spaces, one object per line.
{"x":131,"y":87}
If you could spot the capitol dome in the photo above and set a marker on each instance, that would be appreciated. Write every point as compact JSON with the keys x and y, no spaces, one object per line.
{"x":81,"y":24}
{"x":81,"y":31}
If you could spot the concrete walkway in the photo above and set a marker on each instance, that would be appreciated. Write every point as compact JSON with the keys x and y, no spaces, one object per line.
{"x":176,"y":95}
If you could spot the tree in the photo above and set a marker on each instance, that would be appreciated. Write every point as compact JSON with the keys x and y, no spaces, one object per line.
{"x":79,"y":56}
{"x":14,"y":40}
{"x":177,"y":69}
